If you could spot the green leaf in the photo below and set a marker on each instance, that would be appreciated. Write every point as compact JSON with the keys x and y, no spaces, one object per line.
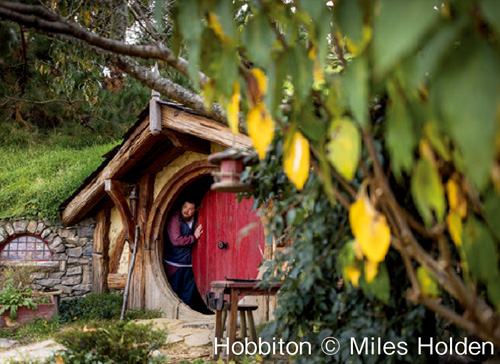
{"x":321,"y":16}
{"x":276,"y":76}
{"x":438,"y":141}
{"x":427,"y":283}
{"x":493,"y":289}
{"x":430,"y":57}
{"x":224,"y":10}
{"x":492,"y":212}
{"x":301,"y":70}
{"x":189,"y":16}
{"x":398,"y":28}
{"x":312,"y":126}
{"x":258,"y":38}
{"x":344,"y":147}
{"x":467,"y":95}
{"x":401,"y":136}
{"x":480,"y":250}
{"x":490,"y":10}
{"x":226,"y":71}
{"x":349,"y":19}
{"x":427,"y":191}
{"x":158,"y":13}
{"x":355,"y":82}
{"x":381,"y":284}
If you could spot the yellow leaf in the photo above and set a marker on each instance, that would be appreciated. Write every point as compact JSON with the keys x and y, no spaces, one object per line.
{"x":371,"y":270}
{"x":344,"y":147}
{"x":87,"y":17}
{"x":358,"y":48}
{"x":260,"y":128}
{"x":312,"y":52}
{"x":358,"y":252}
{"x":233,"y":109}
{"x":456,"y":197}
{"x":261,"y":80}
{"x":214,"y":22}
{"x":425,"y":150}
{"x":455,"y":227}
{"x":296,"y":159}
{"x":428,"y":285}
{"x":59,"y":359}
{"x":353,"y":275}
{"x":370,"y":229}
{"x":318,"y":71}
{"x":9,"y":322}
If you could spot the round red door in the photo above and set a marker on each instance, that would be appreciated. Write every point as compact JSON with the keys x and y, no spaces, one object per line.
{"x":232,"y":243}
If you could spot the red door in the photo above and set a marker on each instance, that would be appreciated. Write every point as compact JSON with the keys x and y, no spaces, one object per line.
{"x":232,"y":244}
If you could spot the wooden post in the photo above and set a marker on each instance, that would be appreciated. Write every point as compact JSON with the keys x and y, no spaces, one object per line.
{"x":233,"y":317}
{"x":100,"y":253}
{"x":219,"y":331}
{"x":155,"y":108}
{"x":137,"y":285}
{"x":129,"y":276}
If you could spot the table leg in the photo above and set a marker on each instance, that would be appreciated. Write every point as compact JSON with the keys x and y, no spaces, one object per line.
{"x":233,"y":316}
{"x":219,"y":328}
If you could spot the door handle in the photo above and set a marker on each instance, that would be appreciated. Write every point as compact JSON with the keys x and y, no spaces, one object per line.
{"x":222,"y":245}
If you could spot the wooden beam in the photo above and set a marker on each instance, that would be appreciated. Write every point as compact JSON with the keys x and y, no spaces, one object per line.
{"x":100,"y":253}
{"x":162,"y":160}
{"x":188,"y":142}
{"x":117,"y":280}
{"x":116,"y":254}
{"x":202,"y":127}
{"x":114,"y":190}
{"x":132,"y":150}
{"x":162,"y":153}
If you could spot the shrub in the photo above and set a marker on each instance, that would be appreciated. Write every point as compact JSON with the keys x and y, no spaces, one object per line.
{"x":91,"y":307}
{"x":112,"y":342}
{"x":95,"y":307}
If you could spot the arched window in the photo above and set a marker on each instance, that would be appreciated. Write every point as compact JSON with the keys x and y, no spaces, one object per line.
{"x":26,"y":247}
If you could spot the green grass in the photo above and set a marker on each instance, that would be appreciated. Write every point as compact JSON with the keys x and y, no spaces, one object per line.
{"x":36,"y":179}
{"x":37,"y":330}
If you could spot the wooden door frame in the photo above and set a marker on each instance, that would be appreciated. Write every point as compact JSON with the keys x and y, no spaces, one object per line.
{"x":157,"y":219}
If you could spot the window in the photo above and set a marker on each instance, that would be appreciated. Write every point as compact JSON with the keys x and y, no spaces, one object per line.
{"x":25,"y":247}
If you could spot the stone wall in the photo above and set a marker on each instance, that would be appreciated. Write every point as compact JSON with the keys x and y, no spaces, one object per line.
{"x":70,"y":270}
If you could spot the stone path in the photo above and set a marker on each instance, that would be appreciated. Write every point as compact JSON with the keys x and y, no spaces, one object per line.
{"x":188,"y":340}
{"x":39,"y":350}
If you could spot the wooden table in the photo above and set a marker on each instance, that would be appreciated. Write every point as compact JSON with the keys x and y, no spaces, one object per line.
{"x":235,"y":289}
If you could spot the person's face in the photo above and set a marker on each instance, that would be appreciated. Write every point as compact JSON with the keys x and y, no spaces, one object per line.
{"x":187,"y":211}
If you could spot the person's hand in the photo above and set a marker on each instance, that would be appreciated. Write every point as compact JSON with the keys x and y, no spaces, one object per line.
{"x":198,"y":231}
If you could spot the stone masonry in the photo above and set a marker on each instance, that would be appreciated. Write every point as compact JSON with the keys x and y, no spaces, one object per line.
{"x":71,"y":247}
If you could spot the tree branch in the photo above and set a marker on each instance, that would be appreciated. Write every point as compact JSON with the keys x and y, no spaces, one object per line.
{"x":44,"y":101}
{"x":166,"y":87}
{"x":46,"y":21}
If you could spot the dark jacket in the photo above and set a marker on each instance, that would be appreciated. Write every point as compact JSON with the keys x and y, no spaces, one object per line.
{"x":179,"y":240}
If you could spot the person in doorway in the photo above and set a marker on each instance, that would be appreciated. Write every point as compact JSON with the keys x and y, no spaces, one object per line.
{"x":180,"y":237}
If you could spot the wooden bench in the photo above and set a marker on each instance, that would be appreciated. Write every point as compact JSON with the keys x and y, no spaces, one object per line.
{"x":244,"y":310}
{"x":55,"y":294}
